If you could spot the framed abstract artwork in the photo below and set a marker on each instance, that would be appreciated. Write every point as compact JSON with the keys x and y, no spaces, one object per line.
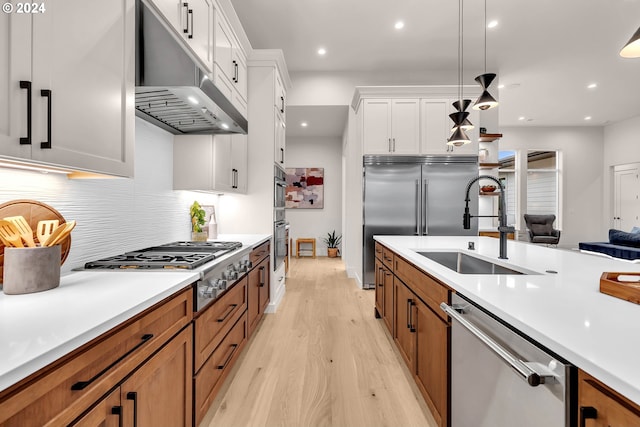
{"x":305,"y":188}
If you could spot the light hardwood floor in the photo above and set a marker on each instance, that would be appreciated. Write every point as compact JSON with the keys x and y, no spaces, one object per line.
{"x":322,"y":360}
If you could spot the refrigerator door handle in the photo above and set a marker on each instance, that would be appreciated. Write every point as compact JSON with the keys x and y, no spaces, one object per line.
{"x":425,"y":207}
{"x":418,"y":203}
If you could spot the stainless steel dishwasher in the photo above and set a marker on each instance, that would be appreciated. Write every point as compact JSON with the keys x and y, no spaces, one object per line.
{"x":500,"y":379}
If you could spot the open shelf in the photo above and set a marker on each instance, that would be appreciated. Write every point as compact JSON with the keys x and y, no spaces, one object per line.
{"x":489,"y":137}
{"x":488,"y":165}
{"x":489,"y":193}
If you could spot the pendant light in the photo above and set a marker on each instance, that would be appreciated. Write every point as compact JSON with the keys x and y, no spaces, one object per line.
{"x":459,"y":137}
{"x":485,"y":101}
{"x":462,"y":107}
{"x":632,"y":48}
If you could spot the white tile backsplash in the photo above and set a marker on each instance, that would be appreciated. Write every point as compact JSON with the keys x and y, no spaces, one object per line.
{"x":115,"y":215}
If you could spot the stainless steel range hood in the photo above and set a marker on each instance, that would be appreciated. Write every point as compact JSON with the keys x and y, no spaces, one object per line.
{"x":172,"y":91}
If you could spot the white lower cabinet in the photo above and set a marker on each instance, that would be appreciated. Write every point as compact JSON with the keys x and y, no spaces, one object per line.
{"x":210,"y":163}
{"x":67,"y":84}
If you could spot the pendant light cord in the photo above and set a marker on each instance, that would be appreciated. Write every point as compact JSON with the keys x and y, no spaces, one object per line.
{"x":460,"y":59}
{"x":485,"y":36}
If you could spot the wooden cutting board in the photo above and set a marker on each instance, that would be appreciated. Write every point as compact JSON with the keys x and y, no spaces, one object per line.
{"x":33,"y":211}
{"x":621,"y":285}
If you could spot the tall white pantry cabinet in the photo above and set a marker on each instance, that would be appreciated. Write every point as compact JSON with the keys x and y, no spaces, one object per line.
{"x":67,"y":85}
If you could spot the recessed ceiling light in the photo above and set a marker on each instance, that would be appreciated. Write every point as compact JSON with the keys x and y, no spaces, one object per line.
{"x":500,"y":86}
{"x":399,"y":25}
{"x":304,"y":124}
{"x":592,"y":86}
{"x":224,"y":126}
{"x":492,"y":24}
{"x":521,"y":118}
{"x":588,"y":118}
{"x":322,"y":51}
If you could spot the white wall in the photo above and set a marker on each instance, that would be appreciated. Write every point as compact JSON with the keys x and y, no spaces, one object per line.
{"x":115,"y":215}
{"x":316,"y":223}
{"x":582,"y":178}
{"x":621,"y":146}
{"x":352,"y":241}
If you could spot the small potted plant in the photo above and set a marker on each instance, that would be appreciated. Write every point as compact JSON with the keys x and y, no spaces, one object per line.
{"x":197,"y":221}
{"x":332,"y":241}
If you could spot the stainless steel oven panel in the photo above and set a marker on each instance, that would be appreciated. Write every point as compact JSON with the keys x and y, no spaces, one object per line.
{"x":280,"y":186}
{"x":280,"y":243}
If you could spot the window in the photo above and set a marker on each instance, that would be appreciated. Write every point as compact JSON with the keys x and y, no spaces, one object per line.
{"x":543,"y":177}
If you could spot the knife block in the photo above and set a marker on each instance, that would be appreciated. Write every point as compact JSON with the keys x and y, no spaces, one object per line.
{"x":28,"y":270}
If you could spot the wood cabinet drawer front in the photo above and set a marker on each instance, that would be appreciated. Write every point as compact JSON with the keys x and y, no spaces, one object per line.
{"x":211,"y":377}
{"x":216,"y":321}
{"x":429,"y":290}
{"x":612,"y":409}
{"x":378,"y":250}
{"x":387,"y":257}
{"x":59,"y":393}
{"x":257,"y":254}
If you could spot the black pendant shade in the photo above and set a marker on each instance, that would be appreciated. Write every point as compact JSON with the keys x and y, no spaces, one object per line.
{"x":459,"y":137}
{"x":485,"y":101}
{"x":466,"y":124}
{"x":632,"y":48}
{"x":485,"y":80}
{"x":459,"y":117}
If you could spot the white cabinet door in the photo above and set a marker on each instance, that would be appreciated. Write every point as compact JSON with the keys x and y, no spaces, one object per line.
{"x":376,"y":132}
{"x":280,"y":96}
{"x":223,"y":45}
{"x":82,"y":61}
{"x":191,"y":20}
{"x":240,"y":77}
{"x":280,"y":136}
{"x":405,"y":126}
{"x":240,"y":162}
{"x":223,"y":170}
{"x":436,"y":126}
{"x":15,"y":66}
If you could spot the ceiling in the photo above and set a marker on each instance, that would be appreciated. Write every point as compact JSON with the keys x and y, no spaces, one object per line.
{"x":545,"y":52}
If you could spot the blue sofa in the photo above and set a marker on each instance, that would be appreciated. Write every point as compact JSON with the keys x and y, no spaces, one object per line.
{"x":620,"y":245}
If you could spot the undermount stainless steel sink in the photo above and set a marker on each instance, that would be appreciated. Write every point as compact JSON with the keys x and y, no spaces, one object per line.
{"x":463,"y":263}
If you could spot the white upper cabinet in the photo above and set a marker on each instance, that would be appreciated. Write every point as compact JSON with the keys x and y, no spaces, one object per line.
{"x":280,"y":97}
{"x":191,"y":20}
{"x":230,"y":63}
{"x":210,"y":163}
{"x":69,"y":74}
{"x":280,"y":139}
{"x":391,"y":126}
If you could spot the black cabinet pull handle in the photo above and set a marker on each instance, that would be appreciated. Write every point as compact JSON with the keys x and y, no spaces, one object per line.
{"x":132,"y":395}
{"x":46,"y":93}
{"x":24,"y":84}
{"x":412,"y":328}
{"x":190,"y":14}
{"x":81,"y":385}
{"x":185,"y":8}
{"x":262,"y":281}
{"x":282,"y":155}
{"x":408,"y":314}
{"x":226,"y":362}
{"x":282,"y":108}
{"x":587,"y":412}
{"x":235,"y":71}
{"x":117,"y":410}
{"x":232,"y":307}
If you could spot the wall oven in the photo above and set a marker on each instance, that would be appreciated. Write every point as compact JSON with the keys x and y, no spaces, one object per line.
{"x":280,"y":185}
{"x":279,"y":238}
{"x":279,"y":224}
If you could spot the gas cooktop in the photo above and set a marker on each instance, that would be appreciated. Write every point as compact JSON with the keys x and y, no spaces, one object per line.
{"x":176,"y":255}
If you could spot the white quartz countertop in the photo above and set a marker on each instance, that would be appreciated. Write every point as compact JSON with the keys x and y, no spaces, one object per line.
{"x":563,"y":311}
{"x":38,"y":328}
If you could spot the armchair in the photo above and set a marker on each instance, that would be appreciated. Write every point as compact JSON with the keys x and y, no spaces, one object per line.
{"x":541,"y":229}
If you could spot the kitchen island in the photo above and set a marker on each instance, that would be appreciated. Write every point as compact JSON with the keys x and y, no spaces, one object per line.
{"x":559,"y":306}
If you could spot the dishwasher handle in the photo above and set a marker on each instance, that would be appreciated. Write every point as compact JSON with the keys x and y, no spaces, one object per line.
{"x":524,"y":369}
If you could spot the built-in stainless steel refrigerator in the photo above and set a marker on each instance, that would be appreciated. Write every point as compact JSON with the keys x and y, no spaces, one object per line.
{"x":415,"y":196}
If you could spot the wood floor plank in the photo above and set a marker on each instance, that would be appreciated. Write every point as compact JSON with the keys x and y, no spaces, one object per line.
{"x":322,"y":360}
